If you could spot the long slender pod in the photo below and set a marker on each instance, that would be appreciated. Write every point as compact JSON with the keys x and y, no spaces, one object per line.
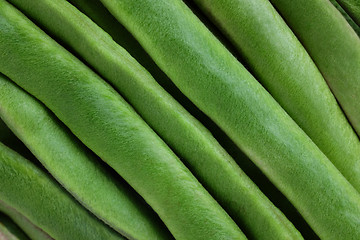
{"x":96,"y":11}
{"x":26,"y":226}
{"x":221,"y":87}
{"x":40,"y":199}
{"x":107,"y":124}
{"x":279,"y":61}
{"x":346,"y":16}
{"x":12,"y":227}
{"x":75,"y":167}
{"x":352,"y":7}
{"x":197,"y":147}
{"x":332,"y":44}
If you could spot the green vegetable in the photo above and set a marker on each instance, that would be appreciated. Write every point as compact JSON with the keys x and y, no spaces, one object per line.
{"x":40,"y":199}
{"x":102,"y":120}
{"x":352,"y":7}
{"x":346,"y":16}
{"x":196,"y":146}
{"x":222,"y":88}
{"x":96,"y":11}
{"x":274,"y":55}
{"x":75,"y":167}
{"x":334,"y":47}
{"x":29,"y":228}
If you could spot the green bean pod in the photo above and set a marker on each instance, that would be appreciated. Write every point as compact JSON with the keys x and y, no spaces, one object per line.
{"x":34,"y":232}
{"x":108,"y":125}
{"x":352,"y":7}
{"x":75,"y":167}
{"x":222,"y":88}
{"x":96,"y":11}
{"x":334,"y":47}
{"x":197,"y":147}
{"x":40,"y":199}
{"x":275,"y":55}
{"x":346,"y":16}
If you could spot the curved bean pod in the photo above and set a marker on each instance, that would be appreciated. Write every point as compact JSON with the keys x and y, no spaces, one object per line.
{"x":75,"y":167}
{"x":334,"y":47}
{"x":196,"y":146}
{"x":107,"y":124}
{"x":40,"y":199}
{"x":222,"y":88}
{"x":96,"y":11}
{"x":279,"y":61}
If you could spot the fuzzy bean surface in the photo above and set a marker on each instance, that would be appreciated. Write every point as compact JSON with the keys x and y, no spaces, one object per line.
{"x":40,"y":199}
{"x":332,"y":44}
{"x":222,"y":88}
{"x":75,"y":167}
{"x":109,"y":126}
{"x":282,"y":65}
{"x":215,"y":169}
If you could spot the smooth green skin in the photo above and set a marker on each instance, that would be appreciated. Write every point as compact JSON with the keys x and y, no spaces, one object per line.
{"x":198,"y":149}
{"x":347,"y":17}
{"x":221,"y":87}
{"x":278,"y":60}
{"x":98,"y":115}
{"x":352,"y":7}
{"x":9,"y":225}
{"x":28,"y":227}
{"x":332,"y":44}
{"x":75,"y":167}
{"x":40,"y":199}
